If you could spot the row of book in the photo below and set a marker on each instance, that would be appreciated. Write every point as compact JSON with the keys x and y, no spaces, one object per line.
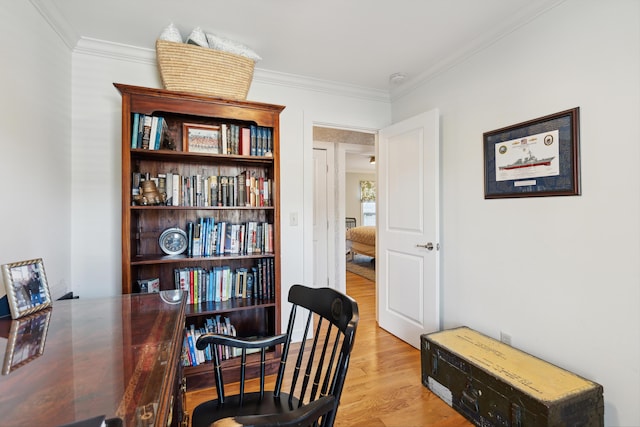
{"x":150,"y":132}
{"x":249,"y":140}
{"x":208,"y":237}
{"x":223,"y":283}
{"x":191,"y":356}
{"x":245,"y":189}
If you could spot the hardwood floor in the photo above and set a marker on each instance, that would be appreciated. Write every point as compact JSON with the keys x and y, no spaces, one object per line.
{"x":383,"y":387}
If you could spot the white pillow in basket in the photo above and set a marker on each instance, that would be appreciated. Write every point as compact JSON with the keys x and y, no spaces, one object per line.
{"x":171,"y":34}
{"x":226,"y":45}
{"x":198,"y":37}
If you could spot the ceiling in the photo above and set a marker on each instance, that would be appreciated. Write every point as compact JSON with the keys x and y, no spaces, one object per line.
{"x":359,"y":163}
{"x":353,"y":42}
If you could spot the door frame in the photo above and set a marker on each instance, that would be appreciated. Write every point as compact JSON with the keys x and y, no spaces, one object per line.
{"x":331,"y":202}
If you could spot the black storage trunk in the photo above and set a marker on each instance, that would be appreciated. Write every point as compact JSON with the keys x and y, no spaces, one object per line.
{"x":493,"y":384}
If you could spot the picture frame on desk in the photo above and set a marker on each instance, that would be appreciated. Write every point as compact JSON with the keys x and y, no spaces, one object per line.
{"x":199,"y":138}
{"x":26,"y":286}
{"x":536,"y":158}
{"x":26,"y":340}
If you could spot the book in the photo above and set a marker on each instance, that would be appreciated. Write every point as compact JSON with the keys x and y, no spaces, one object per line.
{"x":192,"y":347}
{"x":262,"y":265}
{"x":134,"y":130}
{"x":272,"y":281}
{"x":153,"y":133}
{"x":261,"y":191}
{"x":245,"y":141}
{"x":175,"y":188}
{"x":140,"y":131}
{"x":252,"y":191}
{"x":169,"y":189}
{"x":198,"y":184}
{"x":211,"y":240}
{"x":266,"y":191}
{"x":190,"y":231}
{"x":254,"y":140}
{"x":228,"y":239}
{"x":235,"y":139}
{"x":267,"y":280}
{"x":242,"y":188}
{"x":213,"y":190}
{"x":193,"y":274}
{"x":146,"y":131}
{"x":224,"y":184}
{"x":269,"y":143}
{"x":249,"y":285}
{"x":224,"y":138}
{"x":226,"y":283}
{"x":160,"y":128}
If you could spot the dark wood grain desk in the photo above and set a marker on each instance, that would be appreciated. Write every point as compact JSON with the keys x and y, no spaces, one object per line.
{"x":118,"y":357}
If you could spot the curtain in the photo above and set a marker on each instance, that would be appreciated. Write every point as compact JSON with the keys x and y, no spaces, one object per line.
{"x":367,"y":191}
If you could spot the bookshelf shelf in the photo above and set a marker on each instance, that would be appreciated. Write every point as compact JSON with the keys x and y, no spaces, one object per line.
{"x":209,"y":307}
{"x":204,"y":208}
{"x":226,"y":200}
{"x":163,"y":154}
{"x":173,"y":259}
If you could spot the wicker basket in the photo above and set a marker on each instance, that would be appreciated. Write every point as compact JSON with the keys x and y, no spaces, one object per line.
{"x":191,"y":68}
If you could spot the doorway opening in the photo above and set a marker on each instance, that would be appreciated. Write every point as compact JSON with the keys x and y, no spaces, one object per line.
{"x":351,"y":163}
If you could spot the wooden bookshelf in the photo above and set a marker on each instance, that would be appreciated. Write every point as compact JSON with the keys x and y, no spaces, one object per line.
{"x":144,"y":220}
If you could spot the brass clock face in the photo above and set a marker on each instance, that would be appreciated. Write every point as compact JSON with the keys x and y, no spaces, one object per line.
{"x":173,"y":241}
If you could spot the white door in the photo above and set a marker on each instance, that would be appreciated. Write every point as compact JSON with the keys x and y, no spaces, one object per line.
{"x":320,"y":219}
{"x":408,"y":230}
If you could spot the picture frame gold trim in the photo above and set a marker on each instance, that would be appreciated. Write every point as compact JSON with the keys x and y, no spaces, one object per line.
{"x":26,"y":340}
{"x":26,"y":286}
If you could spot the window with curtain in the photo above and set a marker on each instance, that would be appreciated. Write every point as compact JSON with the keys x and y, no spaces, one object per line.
{"x":368,"y":202}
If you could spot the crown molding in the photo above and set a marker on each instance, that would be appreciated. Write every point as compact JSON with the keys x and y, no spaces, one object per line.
{"x":106,"y":49}
{"x":56,"y":21}
{"x":123,"y":52}
{"x":519,"y":20}
{"x":318,"y":85}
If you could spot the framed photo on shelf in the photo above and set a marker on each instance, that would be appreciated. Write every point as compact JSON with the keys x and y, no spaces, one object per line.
{"x":539,"y":157}
{"x":26,"y":286}
{"x":26,"y":340}
{"x":199,"y":138}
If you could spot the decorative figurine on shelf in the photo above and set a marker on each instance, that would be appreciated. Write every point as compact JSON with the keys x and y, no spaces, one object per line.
{"x":150,"y":195}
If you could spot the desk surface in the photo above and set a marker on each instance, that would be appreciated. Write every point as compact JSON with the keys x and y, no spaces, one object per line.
{"x":81,"y":358}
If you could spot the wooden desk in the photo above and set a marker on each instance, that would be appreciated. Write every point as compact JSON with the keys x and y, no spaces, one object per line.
{"x":110,"y":356}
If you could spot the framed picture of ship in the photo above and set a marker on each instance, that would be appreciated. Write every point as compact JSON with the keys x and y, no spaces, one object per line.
{"x":536,"y":158}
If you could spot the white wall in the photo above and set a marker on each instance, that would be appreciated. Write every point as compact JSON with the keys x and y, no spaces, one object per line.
{"x":96,"y":158}
{"x":35,"y":138}
{"x":561,"y":275}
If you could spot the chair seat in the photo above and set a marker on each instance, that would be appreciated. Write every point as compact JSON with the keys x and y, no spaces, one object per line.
{"x":208,"y":412}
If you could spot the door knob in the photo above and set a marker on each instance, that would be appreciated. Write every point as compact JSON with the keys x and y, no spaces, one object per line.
{"x":428,"y":246}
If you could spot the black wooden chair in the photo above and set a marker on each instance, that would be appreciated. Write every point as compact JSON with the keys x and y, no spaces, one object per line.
{"x":315,"y":378}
